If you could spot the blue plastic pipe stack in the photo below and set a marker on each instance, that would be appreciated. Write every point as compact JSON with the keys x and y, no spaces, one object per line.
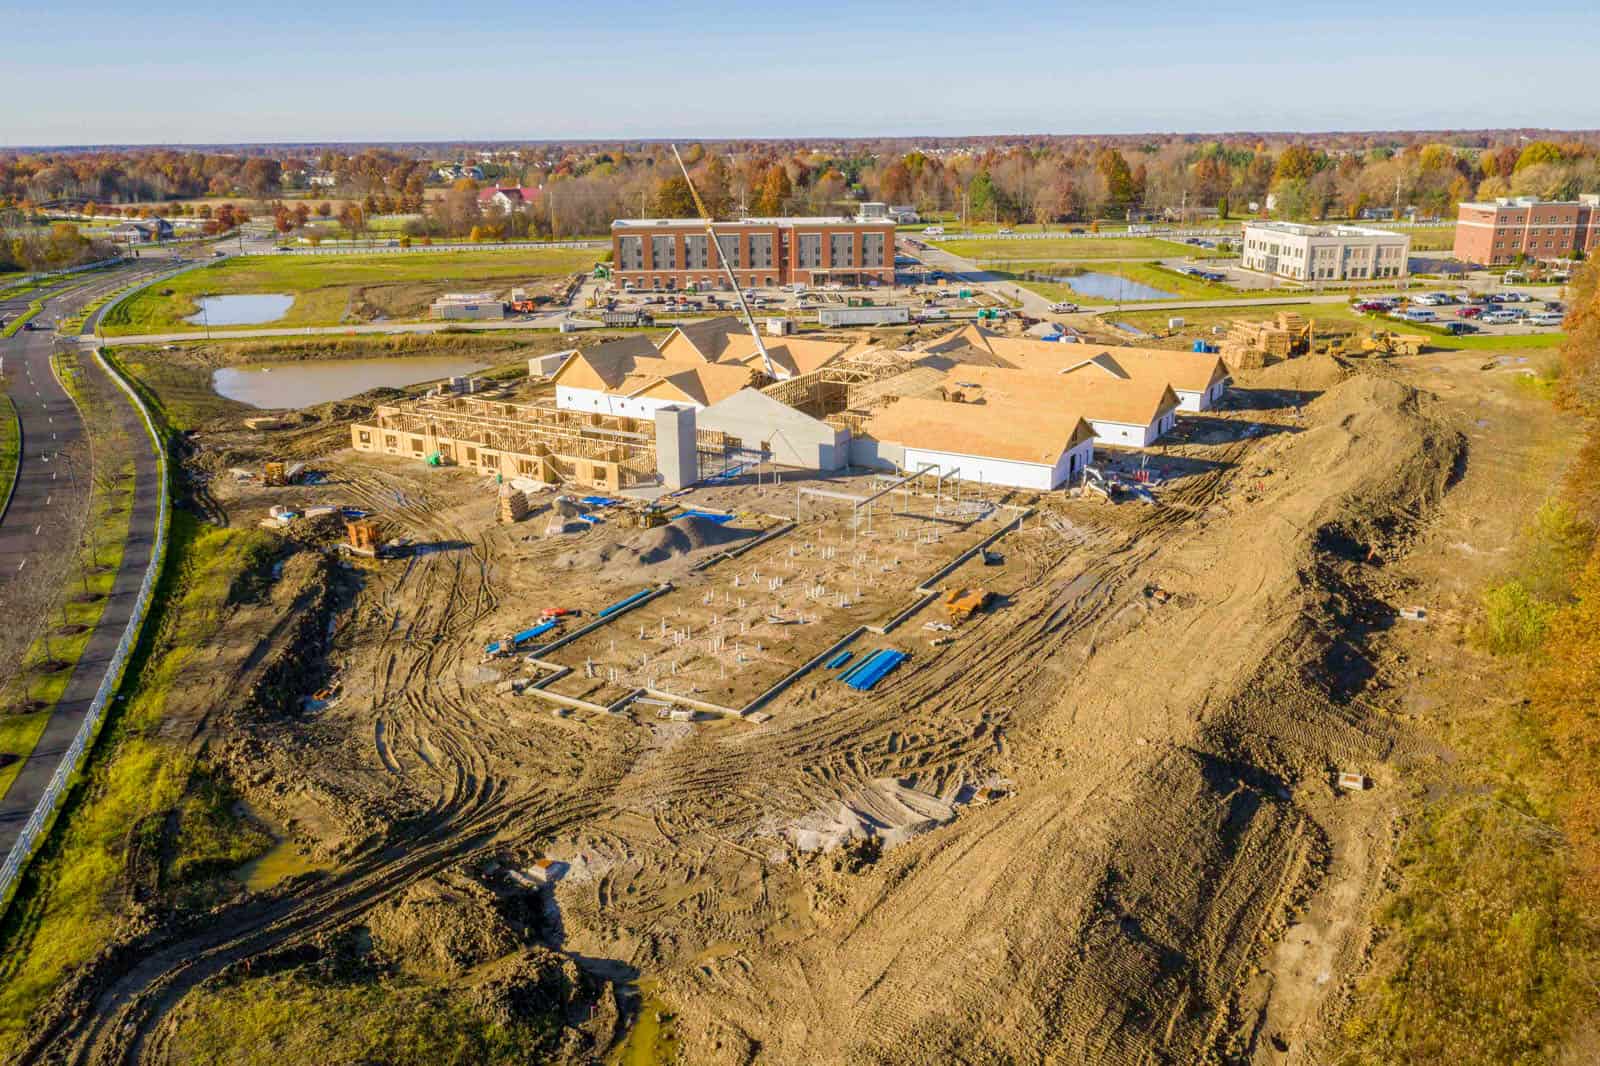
{"x":874,"y":668}
{"x":606,"y":612}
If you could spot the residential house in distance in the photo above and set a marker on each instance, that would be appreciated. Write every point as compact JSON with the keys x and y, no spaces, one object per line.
{"x":675,"y":253}
{"x":456,"y":171}
{"x":1325,"y":253}
{"x":508,"y":198}
{"x":143,"y":231}
{"x":1499,"y":231}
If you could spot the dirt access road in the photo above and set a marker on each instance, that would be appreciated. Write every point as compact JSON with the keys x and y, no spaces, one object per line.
{"x":1160,"y":809}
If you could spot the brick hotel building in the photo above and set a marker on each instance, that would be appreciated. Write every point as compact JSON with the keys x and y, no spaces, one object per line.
{"x":674,"y":253}
{"x":1497,"y":232}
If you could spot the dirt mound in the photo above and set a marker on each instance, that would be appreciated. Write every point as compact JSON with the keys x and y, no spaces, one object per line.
{"x":442,"y":927}
{"x":1311,"y":373}
{"x":683,"y":540}
{"x":532,"y":982}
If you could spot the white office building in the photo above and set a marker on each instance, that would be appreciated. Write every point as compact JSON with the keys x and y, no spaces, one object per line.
{"x":1325,"y":253}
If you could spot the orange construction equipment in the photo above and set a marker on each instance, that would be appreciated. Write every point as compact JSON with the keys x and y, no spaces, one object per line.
{"x":962,"y":604}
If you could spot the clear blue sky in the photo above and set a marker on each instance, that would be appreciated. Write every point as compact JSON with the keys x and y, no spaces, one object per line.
{"x":89,"y":71}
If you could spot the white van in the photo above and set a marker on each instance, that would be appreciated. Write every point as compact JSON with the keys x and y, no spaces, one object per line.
{"x":1418,"y":314}
{"x":933,"y":231}
{"x":1545,"y":318}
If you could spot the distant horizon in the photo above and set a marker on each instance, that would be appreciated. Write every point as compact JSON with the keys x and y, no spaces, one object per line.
{"x":423,"y":142}
{"x":407,"y":72}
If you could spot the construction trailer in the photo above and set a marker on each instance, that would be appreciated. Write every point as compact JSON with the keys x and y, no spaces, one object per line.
{"x":864,"y":316}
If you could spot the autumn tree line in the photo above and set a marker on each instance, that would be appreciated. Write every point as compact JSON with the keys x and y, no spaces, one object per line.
{"x":581,"y":189}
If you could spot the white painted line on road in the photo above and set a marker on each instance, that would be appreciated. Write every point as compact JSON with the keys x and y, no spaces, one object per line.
{"x":48,"y":498}
{"x":22,"y":564}
{"x":36,"y":530}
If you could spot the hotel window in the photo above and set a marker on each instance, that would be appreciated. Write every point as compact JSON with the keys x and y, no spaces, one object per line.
{"x":809,"y":250}
{"x":842,"y":249}
{"x":872,"y":249}
{"x":728,"y":244}
{"x":663,"y":253}
{"x":630,"y":253}
{"x":760,"y":250}
{"x":695,"y":251}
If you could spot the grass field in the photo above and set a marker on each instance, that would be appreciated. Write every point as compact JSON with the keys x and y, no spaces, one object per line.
{"x":62,"y":913}
{"x":1064,"y":248}
{"x":324,"y":286}
{"x":10,"y":446}
{"x":1180,"y":286}
{"x":110,"y":509}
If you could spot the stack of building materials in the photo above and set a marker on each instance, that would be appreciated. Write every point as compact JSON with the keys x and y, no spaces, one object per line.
{"x":513,"y":505}
{"x":1250,"y":344}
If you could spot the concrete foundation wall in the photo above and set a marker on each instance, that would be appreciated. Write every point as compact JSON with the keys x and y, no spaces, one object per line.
{"x":677,"y":459}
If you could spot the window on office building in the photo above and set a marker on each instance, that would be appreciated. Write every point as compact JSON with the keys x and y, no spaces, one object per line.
{"x":630,"y":253}
{"x":872,"y":245}
{"x":663,"y":253}
{"x":809,"y":250}
{"x":842,"y":249}
{"x":695,"y":253}
{"x":760,"y":251}
{"x":728,"y":244}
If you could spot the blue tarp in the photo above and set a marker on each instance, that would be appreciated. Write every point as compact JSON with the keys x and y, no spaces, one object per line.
{"x":839,"y":660}
{"x":592,"y":519}
{"x":710,"y":516}
{"x":599,"y":501}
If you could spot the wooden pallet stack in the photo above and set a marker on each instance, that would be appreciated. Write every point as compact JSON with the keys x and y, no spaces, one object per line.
{"x":513,"y":505}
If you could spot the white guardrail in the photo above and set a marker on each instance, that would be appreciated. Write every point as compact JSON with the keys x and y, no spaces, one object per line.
{"x":72,"y":759}
{"x":1230,"y":232}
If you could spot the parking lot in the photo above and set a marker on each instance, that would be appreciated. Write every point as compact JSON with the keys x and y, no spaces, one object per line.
{"x":1508,"y":313}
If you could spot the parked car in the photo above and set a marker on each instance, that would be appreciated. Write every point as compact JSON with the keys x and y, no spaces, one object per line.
{"x":1374,"y":306}
{"x":1545,"y":318}
{"x":933,"y":231}
{"x":1456,"y":329}
{"x":1498,"y":318}
{"x":1416,"y":314}
{"x":1470,"y":311}
{"x":1075,"y":229}
{"x":1004,"y":231}
{"x":934,"y":314}
{"x":1063,"y":308}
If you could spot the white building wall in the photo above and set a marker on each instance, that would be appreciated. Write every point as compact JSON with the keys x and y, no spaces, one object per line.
{"x":605,"y":403}
{"x":1037,"y":476}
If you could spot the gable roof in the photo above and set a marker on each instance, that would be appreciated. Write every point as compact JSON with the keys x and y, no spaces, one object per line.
{"x":1185,"y":371}
{"x":728,"y":340}
{"x":704,"y":385}
{"x":1100,"y":398}
{"x":1025,"y":433}
{"x":608,"y":365}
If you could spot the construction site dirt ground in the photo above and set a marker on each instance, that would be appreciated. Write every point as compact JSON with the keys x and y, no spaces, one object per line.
{"x":1110,"y":795}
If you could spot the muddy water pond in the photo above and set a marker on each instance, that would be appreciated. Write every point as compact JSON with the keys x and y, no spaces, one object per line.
{"x":247,"y":309}
{"x":302,"y":383}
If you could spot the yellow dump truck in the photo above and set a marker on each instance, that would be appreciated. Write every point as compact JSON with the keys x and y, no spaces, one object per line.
{"x":1383,"y":342}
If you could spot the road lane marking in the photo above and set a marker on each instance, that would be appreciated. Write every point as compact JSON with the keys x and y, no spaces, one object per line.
{"x":22,"y":564}
{"x":36,"y":530}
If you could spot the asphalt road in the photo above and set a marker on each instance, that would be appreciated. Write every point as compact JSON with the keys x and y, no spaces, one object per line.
{"x":46,"y":485}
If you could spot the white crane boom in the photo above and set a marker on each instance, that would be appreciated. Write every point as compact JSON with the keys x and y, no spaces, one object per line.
{"x":711,"y":236}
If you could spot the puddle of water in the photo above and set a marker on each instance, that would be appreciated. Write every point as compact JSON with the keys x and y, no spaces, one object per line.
{"x":1112,"y":287}
{"x":283,"y":859}
{"x":650,"y":1042}
{"x":246,"y":309}
{"x":301,"y":384}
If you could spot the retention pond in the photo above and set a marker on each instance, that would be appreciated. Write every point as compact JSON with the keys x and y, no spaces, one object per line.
{"x":248,"y":309}
{"x":304,"y":383}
